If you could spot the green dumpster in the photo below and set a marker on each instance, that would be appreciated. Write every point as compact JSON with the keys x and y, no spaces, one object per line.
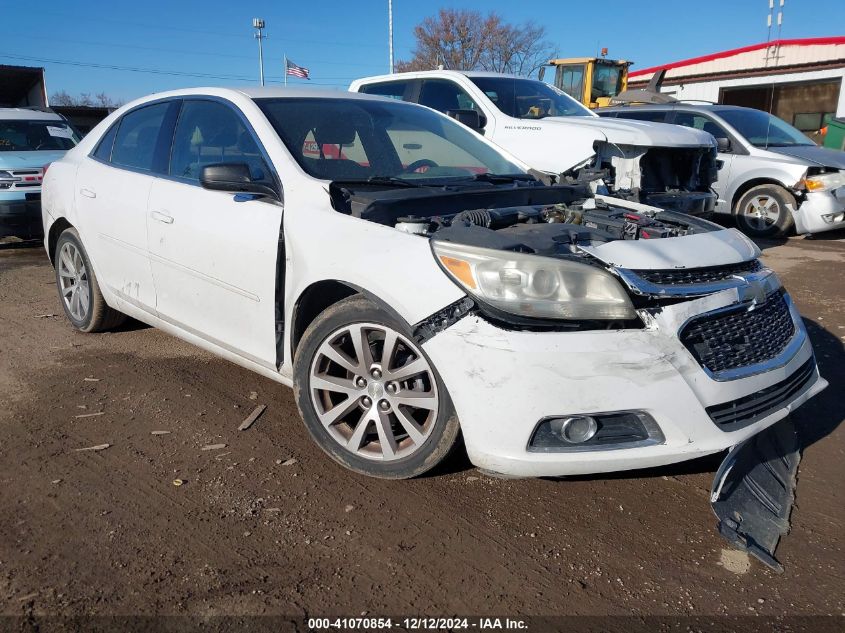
{"x":835,"y":136}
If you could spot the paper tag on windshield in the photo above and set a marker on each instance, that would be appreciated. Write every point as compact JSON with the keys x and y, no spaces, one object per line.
{"x":60,"y":132}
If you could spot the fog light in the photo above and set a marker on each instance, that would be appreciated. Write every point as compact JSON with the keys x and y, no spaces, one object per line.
{"x":595,"y":432}
{"x":576,"y":429}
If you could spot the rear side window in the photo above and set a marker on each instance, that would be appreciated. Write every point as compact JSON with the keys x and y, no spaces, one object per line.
{"x":209,"y":132}
{"x":442,"y":95}
{"x":103,"y":151}
{"x":137,"y":136}
{"x":643,"y":115}
{"x":392,"y":89}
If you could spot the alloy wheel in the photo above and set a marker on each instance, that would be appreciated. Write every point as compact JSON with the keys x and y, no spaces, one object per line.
{"x":373,"y":391}
{"x":73,"y":281}
{"x":762,"y":212}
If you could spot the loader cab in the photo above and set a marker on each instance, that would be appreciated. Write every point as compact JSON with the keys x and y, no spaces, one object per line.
{"x":593,"y":81}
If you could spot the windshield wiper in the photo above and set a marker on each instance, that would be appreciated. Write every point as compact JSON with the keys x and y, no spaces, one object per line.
{"x":380,"y":180}
{"x":787,"y":145}
{"x":499,"y":178}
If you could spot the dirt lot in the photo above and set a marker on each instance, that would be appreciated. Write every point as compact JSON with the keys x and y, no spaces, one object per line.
{"x":268,"y":525}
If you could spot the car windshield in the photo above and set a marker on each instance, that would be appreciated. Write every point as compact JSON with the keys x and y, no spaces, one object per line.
{"x":36,"y":136}
{"x":528,"y":98}
{"x":358,"y":139}
{"x":761,"y":129}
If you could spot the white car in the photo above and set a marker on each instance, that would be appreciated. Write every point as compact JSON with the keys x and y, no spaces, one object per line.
{"x":296,"y":234}
{"x":772,"y":177}
{"x":652,"y":163}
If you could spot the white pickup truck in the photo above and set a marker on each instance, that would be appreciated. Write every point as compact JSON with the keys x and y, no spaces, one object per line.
{"x":652,"y":163}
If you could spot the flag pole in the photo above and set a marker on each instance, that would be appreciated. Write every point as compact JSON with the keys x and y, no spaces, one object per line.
{"x":286,"y":70}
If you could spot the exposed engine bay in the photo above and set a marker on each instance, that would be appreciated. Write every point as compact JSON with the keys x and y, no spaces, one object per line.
{"x":672,"y":178}
{"x":542,"y":220}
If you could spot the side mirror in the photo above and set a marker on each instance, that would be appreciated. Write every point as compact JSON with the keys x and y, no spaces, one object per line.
{"x":723,"y":144}
{"x":234,"y":177}
{"x":471,"y":118}
{"x":542,"y":73}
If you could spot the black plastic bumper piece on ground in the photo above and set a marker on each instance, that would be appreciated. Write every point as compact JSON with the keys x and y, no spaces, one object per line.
{"x":754,"y":490}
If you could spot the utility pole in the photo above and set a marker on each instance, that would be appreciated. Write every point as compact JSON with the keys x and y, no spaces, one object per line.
{"x":774,"y":51}
{"x":258,"y":25}
{"x":390,"y":31}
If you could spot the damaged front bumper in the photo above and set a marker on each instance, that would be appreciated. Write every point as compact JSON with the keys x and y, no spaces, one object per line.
{"x":504,"y":382}
{"x":820,"y":211}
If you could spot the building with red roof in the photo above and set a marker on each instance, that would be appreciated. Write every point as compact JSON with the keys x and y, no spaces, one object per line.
{"x":799,"y":80}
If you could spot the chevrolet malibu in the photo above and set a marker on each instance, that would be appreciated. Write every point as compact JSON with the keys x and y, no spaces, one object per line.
{"x":414,"y":284}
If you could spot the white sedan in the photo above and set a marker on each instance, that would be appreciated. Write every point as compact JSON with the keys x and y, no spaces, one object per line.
{"x":413,"y":283}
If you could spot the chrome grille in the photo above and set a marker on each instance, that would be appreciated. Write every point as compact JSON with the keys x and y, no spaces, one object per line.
{"x":689,"y":276}
{"x":739,"y":337}
{"x":733,"y":415}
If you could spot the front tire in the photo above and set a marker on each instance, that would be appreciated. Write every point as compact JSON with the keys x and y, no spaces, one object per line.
{"x":79,"y":292}
{"x":762,"y":211}
{"x":369,"y":395}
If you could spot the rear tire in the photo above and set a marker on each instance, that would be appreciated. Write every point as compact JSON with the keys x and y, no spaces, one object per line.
{"x":369,"y":395}
{"x":79,"y":292}
{"x":762,"y":211}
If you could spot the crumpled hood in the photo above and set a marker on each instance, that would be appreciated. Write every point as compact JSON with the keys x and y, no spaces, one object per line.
{"x":28,"y":160}
{"x":641,"y":133}
{"x":822,"y":156}
{"x":716,"y":248}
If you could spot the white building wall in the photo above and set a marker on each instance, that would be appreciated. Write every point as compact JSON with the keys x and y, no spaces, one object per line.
{"x":709,"y":90}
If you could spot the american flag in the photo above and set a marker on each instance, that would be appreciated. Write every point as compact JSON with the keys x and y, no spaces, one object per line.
{"x":296,"y":71}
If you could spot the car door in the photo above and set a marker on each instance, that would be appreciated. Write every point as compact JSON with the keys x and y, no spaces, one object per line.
{"x":726,"y":158}
{"x":112,"y":189}
{"x":213,"y":254}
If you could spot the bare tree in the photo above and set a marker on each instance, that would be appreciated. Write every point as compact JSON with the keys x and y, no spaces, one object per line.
{"x":104,"y":101}
{"x":61,"y":98}
{"x":101,"y":99}
{"x":468,"y":40}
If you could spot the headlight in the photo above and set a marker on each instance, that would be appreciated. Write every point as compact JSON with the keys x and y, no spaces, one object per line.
{"x":824,"y":182}
{"x":533,"y":286}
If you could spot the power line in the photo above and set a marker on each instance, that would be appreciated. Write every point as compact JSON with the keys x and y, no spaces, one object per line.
{"x":233,"y":34}
{"x":175,"y":50}
{"x":153,"y":71}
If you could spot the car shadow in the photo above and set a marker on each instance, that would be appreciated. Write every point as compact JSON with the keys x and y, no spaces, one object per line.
{"x":819,"y":417}
{"x":130,"y":325}
{"x":20,"y":244}
{"x":770,"y":242}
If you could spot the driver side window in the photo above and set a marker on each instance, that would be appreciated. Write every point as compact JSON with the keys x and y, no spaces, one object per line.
{"x":210,"y":132}
{"x":699,"y":122}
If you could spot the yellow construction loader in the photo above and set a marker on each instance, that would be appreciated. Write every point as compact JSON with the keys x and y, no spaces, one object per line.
{"x":594,"y":81}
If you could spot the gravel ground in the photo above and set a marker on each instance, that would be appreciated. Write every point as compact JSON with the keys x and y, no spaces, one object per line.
{"x":266,"y":524}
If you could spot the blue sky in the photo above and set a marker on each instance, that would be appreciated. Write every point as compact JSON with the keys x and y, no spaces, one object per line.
{"x":341,"y":40}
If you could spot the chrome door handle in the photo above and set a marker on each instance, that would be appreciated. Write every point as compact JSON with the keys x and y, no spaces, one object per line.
{"x":161,"y":216}
{"x":88,"y":193}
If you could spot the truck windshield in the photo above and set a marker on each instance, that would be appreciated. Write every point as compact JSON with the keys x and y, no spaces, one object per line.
{"x":528,"y":98}
{"x":761,"y":129}
{"x":36,"y":136}
{"x":358,"y":139}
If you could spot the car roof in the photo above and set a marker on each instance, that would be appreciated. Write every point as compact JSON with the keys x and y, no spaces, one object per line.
{"x":420,"y":74}
{"x":279,"y":91}
{"x":680,"y":105}
{"x":28,"y":114}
